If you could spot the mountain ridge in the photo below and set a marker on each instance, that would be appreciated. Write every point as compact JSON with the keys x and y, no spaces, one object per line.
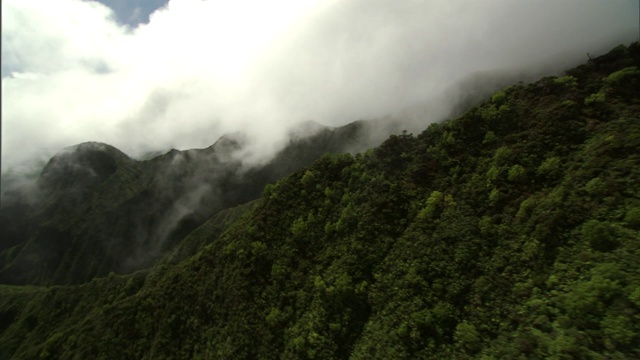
{"x":508,"y":232}
{"x":98,"y":210}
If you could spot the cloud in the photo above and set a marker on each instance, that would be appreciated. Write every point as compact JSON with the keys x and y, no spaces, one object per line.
{"x":200,"y":69}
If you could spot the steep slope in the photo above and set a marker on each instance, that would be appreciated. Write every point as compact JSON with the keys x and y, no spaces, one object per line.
{"x":99,"y":211}
{"x":509,"y":232}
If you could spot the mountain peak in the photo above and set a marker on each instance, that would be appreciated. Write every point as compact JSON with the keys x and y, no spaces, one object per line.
{"x":85,"y":163}
{"x":305,"y":129}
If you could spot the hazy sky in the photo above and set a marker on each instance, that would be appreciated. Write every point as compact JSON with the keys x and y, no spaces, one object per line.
{"x":74,"y":71}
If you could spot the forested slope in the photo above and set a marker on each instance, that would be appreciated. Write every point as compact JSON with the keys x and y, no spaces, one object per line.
{"x":512,"y":231}
{"x":94,"y":210}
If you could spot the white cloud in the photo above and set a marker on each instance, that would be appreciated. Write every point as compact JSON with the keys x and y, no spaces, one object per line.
{"x":200,"y":69}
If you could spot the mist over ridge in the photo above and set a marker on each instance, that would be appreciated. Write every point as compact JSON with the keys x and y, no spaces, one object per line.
{"x":94,"y":210}
{"x":509,"y":231}
{"x":201,"y":69}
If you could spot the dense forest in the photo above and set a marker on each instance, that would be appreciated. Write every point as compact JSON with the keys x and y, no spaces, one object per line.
{"x":509,"y":232}
{"x":94,"y":210}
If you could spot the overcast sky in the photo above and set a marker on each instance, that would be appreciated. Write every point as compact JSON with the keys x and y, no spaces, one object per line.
{"x":149,"y":75}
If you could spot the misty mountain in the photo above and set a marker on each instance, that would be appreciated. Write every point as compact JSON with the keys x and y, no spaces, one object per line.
{"x":95,"y":210}
{"x":509,"y":232}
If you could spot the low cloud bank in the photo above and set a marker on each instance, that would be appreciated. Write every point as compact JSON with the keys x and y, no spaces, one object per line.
{"x":202,"y":69}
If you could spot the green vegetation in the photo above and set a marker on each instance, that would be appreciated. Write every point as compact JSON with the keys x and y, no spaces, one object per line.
{"x":511,"y":232}
{"x":98,"y":211}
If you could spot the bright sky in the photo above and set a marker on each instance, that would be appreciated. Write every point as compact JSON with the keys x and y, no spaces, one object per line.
{"x":75,"y":71}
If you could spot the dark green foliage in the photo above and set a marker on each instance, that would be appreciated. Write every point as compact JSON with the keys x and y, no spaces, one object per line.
{"x":95,"y":210}
{"x":510,"y":232}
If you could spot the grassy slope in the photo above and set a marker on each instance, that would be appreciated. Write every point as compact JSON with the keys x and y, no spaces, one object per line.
{"x":510,"y":232}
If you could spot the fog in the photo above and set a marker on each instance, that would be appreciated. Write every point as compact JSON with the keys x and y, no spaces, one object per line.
{"x":201,"y":69}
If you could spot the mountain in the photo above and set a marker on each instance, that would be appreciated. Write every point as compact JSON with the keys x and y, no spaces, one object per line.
{"x":509,"y":232}
{"x":98,"y":211}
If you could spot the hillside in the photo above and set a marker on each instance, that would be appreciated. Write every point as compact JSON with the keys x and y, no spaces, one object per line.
{"x":95,"y":210}
{"x":510,"y":232}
